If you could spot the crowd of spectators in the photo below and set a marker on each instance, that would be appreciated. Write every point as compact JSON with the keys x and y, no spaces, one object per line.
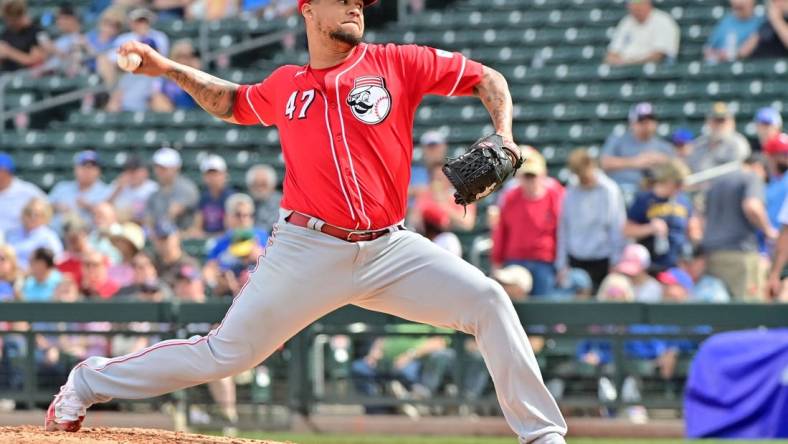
{"x":713,"y":236}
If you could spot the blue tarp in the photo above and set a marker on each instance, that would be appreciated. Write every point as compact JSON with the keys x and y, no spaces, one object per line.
{"x":738,"y":386}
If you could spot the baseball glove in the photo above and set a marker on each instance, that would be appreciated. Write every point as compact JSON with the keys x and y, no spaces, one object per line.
{"x":482,"y":169}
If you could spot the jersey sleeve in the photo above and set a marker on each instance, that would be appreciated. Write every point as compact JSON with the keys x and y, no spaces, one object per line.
{"x":254,"y":104}
{"x":435,"y":71}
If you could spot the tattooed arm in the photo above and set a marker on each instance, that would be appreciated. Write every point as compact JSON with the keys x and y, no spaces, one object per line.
{"x":214,"y":95}
{"x":494,"y":94}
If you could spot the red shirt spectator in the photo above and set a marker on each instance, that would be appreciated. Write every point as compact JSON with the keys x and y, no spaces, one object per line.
{"x":526,"y":233}
{"x":76,"y":236}
{"x":95,"y":280}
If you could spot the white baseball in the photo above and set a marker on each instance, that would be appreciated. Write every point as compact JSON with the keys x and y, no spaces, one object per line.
{"x":130,"y":61}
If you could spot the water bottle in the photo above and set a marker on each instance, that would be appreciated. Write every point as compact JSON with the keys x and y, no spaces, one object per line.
{"x":731,"y":48}
{"x":661,"y":245}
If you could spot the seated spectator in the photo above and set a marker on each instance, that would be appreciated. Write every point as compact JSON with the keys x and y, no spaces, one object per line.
{"x":96,"y":283}
{"x":707,"y":288}
{"x":768,"y":125}
{"x":11,"y":277}
{"x":526,"y":233}
{"x":44,"y":278}
{"x":588,"y":239}
{"x":735,"y":212}
{"x":209,"y":220}
{"x":682,"y":143}
{"x":440,"y":193}
{"x":22,"y":42}
{"x":433,"y":153}
{"x":76,"y":198}
{"x":776,"y":151}
{"x":722,"y":144}
{"x":211,"y":10}
{"x":15,"y":194}
{"x":177,"y":197}
{"x":661,"y":218}
{"x":261,"y":181}
{"x":145,"y":285}
{"x":189,"y":286}
{"x":69,"y":51}
{"x":732,"y":32}
{"x":771,"y":40}
{"x":129,"y":239}
{"x":76,"y":236}
{"x":630,"y":280}
{"x":167,"y":95}
{"x":104,"y":223}
{"x":101,"y":42}
{"x":229,"y":261}
{"x":516,"y":281}
{"x":34,"y":233}
{"x":435,"y":223}
{"x":677,"y":285}
{"x":170,"y":257}
{"x":134,"y":92}
{"x":645,"y":35}
{"x":624,"y":157}
{"x":131,"y":190}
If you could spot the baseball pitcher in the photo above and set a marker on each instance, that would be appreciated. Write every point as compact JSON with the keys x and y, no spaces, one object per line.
{"x":345,"y":122}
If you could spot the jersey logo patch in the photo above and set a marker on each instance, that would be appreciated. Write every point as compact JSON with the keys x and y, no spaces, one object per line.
{"x":369,"y":100}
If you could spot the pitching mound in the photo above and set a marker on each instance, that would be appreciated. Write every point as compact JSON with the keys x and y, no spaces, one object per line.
{"x":102,"y":435}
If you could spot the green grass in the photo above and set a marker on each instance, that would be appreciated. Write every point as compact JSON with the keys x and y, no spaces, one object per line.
{"x":372,"y":439}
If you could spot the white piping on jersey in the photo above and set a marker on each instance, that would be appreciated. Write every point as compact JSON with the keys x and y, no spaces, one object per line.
{"x":249,"y":101}
{"x":457,"y":83}
{"x":344,"y":136}
{"x":334,"y":153}
{"x":300,"y":73}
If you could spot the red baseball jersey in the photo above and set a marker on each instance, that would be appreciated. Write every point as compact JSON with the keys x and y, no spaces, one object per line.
{"x":347,"y":132}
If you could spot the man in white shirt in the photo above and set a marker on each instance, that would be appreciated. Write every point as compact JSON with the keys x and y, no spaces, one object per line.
{"x":77,"y":197}
{"x":645,"y":35}
{"x":15,"y":193}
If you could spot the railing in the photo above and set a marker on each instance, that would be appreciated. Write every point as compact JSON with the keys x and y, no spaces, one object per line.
{"x":78,"y":94}
{"x":552,"y":321}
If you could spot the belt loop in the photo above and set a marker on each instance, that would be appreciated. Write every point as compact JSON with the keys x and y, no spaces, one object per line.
{"x":316,"y":224}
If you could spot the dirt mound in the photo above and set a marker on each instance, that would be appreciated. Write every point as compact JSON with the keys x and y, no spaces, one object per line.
{"x":107,"y":435}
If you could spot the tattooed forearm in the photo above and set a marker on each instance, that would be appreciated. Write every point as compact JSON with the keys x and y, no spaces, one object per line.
{"x":494,"y":94}
{"x":214,"y":95}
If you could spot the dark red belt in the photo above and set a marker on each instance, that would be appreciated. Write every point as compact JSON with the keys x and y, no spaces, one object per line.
{"x":302,"y":220}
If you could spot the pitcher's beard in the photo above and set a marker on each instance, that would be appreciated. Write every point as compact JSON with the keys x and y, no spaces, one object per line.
{"x":345,"y":37}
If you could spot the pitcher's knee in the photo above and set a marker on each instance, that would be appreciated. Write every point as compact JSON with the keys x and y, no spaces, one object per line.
{"x":492,"y":304}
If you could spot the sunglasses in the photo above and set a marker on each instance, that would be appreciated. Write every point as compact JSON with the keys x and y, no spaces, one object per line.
{"x":241,"y":215}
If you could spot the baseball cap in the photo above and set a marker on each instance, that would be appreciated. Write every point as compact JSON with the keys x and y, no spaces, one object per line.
{"x":130,"y":232}
{"x":243,"y":242}
{"x":676,"y":276}
{"x":165,"y":229}
{"x":642,"y":111}
{"x":434,"y":215}
{"x":777,"y":144}
{"x":533,"y":163}
{"x":432,"y":138}
{"x":768,"y":116}
{"x":301,"y":3}
{"x":86,"y":157}
{"x":213,"y":163}
{"x":167,"y":157}
{"x":682,"y":136}
{"x":634,"y":260}
{"x":720,"y":110}
{"x":188,"y":272}
{"x":142,"y":14}
{"x":133,"y":162}
{"x":515,"y":275}
{"x":7,"y":162}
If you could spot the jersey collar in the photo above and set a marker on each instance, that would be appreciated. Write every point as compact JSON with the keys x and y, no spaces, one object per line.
{"x":305,"y":73}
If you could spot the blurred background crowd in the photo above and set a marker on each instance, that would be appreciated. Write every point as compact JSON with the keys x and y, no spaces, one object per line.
{"x":686,"y":215}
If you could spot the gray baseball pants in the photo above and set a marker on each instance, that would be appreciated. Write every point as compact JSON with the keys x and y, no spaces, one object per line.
{"x":306,"y":274}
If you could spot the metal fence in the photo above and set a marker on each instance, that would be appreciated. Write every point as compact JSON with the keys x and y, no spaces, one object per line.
{"x":305,"y":370}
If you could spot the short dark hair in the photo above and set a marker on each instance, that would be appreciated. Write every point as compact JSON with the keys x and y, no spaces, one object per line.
{"x":44,"y":255}
{"x":13,"y":8}
{"x":66,"y":9}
